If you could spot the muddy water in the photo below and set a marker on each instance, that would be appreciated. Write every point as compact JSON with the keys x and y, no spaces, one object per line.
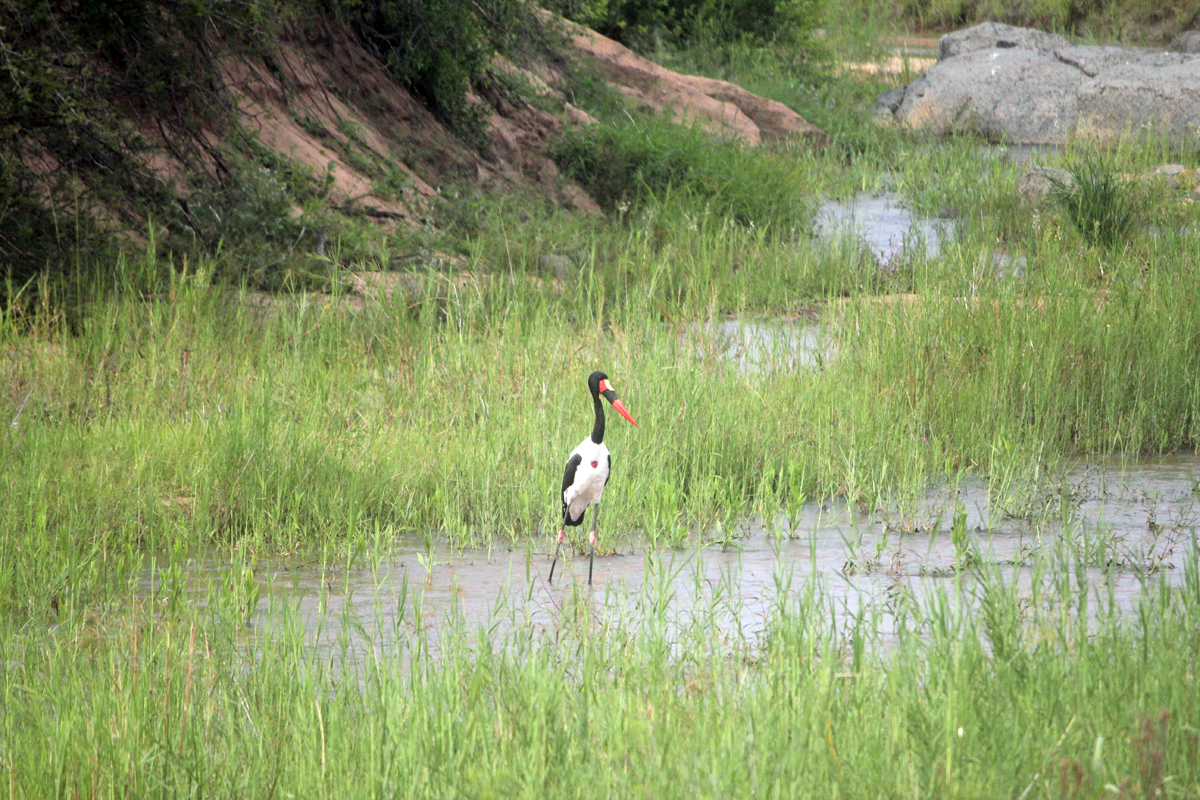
{"x":1138,"y":520}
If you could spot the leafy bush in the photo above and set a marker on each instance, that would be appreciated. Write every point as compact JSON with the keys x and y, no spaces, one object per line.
{"x":77,"y":74}
{"x":437,"y":48}
{"x":74,"y":73}
{"x":434,"y":48}
{"x":1136,"y":20}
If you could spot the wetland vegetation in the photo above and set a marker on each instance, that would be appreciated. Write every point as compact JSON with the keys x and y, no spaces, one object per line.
{"x":160,"y":413}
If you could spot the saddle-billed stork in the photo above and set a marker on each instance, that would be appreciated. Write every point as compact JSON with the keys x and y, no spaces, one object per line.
{"x":587,"y":470}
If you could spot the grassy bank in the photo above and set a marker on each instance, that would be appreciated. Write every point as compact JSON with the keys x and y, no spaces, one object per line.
{"x":986,"y":686}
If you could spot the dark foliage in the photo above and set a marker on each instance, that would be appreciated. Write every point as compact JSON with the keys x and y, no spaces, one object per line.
{"x":84,"y":83}
{"x":76,"y":76}
{"x":644,"y":22}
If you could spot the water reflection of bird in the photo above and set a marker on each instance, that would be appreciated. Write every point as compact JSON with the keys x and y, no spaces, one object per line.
{"x":588,"y":470}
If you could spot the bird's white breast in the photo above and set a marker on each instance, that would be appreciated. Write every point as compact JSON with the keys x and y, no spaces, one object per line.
{"x":590,"y":477}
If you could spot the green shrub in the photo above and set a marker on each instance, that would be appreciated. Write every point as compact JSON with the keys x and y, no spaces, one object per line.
{"x":434,"y":48}
{"x":81,"y":80}
{"x":724,"y":21}
{"x":438,"y":48}
{"x":631,"y":164}
{"x":74,"y":74}
{"x":1137,"y":21}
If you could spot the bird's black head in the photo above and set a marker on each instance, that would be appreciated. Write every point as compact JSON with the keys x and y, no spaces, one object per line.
{"x":599,"y":385}
{"x":594,"y":382}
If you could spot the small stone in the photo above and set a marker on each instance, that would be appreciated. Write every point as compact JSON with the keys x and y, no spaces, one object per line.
{"x":887,"y":103}
{"x":1038,"y":182}
{"x":562,"y":266}
{"x":1169,"y":169}
{"x":1170,"y":174}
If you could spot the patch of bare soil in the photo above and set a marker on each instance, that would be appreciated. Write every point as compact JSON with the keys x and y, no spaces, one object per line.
{"x":908,"y":57}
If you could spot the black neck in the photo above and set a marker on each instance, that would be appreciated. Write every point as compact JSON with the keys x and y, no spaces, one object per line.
{"x":598,"y":428}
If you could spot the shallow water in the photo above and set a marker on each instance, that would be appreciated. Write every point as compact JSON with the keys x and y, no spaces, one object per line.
{"x":1137,"y":521}
{"x":882,"y":225}
{"x":754,"y":346}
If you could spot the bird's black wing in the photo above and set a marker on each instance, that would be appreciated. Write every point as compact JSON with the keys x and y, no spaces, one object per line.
{"x":609,"y":475}
{"x":568,"y":479}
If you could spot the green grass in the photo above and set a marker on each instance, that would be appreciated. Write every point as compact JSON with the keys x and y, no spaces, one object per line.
{"x":186,"y":411}
{"x":635,"y":163}
{"x":164,"y":412}
{"x":980,"y":689}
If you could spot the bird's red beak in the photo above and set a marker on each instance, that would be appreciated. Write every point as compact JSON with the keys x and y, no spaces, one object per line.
{"x":620,"y":407}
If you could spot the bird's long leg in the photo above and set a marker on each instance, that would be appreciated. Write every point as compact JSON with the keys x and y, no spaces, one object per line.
{"x":592,"y":542}
{"x":557,"y":547}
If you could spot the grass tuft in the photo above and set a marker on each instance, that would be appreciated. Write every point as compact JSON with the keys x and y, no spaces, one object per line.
{"x":1099,"y":203}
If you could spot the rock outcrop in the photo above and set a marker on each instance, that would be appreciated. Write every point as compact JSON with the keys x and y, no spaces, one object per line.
{"x":1023,"y":86}
{"x":334,"y":106}
{"x":719,"y":106}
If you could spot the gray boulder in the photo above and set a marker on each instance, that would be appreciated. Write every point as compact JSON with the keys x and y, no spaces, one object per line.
{"x":1091,"y":60}
{"x":1037,"y":88}
{"x":1186,"y":42}
{"x":1011,"y":95}
{"x":1161,"y":93}
{"x":997,"y":36}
